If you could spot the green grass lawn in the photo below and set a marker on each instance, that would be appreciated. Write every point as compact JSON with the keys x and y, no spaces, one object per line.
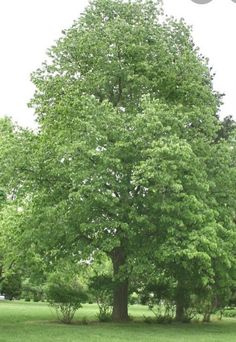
{"x":36,"y":322}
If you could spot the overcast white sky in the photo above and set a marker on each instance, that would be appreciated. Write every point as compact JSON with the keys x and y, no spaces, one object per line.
{"x":29,"y":27}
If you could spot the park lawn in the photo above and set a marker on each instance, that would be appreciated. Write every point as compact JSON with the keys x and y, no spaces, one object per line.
{"x":35,"y":322}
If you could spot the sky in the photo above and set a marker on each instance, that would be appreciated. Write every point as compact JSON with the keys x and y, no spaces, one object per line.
{"x":29,"y":27}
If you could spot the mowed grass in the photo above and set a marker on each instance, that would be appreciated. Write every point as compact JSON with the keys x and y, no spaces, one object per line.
{"x":36,"y":322}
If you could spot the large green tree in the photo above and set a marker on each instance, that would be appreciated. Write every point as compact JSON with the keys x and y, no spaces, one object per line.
{"x":126,"y":115}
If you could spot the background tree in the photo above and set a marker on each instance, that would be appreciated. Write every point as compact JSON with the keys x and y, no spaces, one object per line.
{"x":11,"y":286}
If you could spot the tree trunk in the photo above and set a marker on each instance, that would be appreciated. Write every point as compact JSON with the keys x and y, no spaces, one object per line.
{"x":179,"y":315}
{"x":120,"y":294}
{"x":180,"y":301}
{"x":206,"y":317}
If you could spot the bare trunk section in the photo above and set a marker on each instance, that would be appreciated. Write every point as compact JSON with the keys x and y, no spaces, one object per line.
{"x":179,"y":315}
{"x":181,"y":302}
{"x":120,"y":294}
{"x":206,"y":317}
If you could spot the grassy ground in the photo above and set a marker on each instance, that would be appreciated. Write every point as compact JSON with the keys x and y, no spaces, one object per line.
{"x":32,"y":322}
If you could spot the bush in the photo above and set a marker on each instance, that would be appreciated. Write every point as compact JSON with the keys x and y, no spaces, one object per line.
{"x":148,"y":320}
{"x":230,"y":313}
{"x":27,"y":299}
{"x":101,"y":288}
{"x":158,"y":295}
{"x":160,"y":319}
{"x":166,"y":319}
{"x":104,"y":316}
{"x":164,"y":311}
{"x":66,"y":298}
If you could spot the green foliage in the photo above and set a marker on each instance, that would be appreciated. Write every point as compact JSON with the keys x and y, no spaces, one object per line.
{"x":32,"y":291}
{"x":65,"y":296}
{"x":104,"y":316}
{"x":227,"y":127}
{"x":229,"y":312}
{"x":101,"y":287}
{"x":2,"y":197}
{"x":232,"y":297}
{"x":11,"y":286}
{"x":100,"y":125}
{"x":134,"y":298}
{"x":158,"y":295}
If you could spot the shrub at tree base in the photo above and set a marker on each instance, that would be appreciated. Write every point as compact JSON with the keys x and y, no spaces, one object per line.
{"x":158,"y":295}
{"x":101,"y":288}
{"x":66,"y":299}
